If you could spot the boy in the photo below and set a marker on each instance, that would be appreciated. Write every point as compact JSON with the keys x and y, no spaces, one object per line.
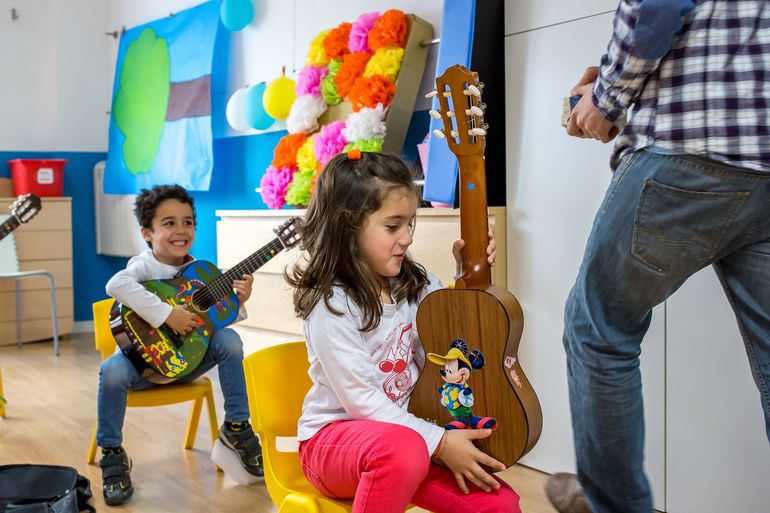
{"x":167,"y":218}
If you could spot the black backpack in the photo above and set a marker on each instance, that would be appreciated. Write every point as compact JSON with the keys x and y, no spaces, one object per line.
{"x":43,"y":489}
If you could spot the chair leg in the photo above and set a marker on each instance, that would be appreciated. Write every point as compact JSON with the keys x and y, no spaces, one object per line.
{"x":18,"y":314}
{"x":296,"y":503}
{"x":213,"y":425}
{"x":54,"y":316}
{"x":2,"y":404}
{"x":192,"y":423}
{"x":91,"y":455}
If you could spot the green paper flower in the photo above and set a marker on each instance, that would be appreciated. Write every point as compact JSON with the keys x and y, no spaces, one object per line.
{"x":298,"y":193}
{"x":374,"y":144}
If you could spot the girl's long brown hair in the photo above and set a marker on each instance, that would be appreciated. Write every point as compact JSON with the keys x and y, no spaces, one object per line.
{"x":347,"y":192}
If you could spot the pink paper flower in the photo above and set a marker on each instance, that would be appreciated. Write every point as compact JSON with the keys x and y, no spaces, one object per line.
{"x":274,"y":183}
{"x":359,"y":32}
{"x":309,"y":80}
{"x":329,"y":141}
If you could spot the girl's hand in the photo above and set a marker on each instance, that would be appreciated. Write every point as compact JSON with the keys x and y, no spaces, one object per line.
{"x":465,"y":460}
{"x":243,"y":287}
{"x":459,"y":244}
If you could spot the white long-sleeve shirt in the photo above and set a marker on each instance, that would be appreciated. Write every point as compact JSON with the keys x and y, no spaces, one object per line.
{"x":364,"y":375}
{"x":125,"y":286}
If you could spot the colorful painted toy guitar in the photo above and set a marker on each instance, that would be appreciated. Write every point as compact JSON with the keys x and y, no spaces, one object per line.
{"x":22,"y":210}
{"x":161,"y":354}
{"x":483,"y":315}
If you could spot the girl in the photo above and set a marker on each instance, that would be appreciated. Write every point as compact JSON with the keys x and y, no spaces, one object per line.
{"x":358,"y":292}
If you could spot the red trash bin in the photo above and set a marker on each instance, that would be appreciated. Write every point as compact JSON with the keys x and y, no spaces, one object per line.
{"x":44,"y":177}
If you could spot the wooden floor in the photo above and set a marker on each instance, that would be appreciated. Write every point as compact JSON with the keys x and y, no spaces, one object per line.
{"x":50,"y":417}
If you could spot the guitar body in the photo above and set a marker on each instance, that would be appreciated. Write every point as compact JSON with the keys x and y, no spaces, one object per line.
{"x":488,"y":319}
{"x":161,"y":353}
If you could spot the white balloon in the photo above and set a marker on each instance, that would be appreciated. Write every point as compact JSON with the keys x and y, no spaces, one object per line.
{"x":234,"y":111}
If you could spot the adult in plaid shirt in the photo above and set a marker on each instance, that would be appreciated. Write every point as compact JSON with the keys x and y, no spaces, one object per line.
{"x":691,"y":188}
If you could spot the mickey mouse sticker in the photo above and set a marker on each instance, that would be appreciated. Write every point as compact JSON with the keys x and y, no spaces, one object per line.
{"x":455,"y":393}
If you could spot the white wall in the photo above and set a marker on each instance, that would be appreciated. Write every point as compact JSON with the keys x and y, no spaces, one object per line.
{"x":54,"y":93}
{"x":29,"y":76}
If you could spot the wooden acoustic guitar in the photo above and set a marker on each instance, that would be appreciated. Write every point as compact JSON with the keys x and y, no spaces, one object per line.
{"x":22,"y":210}
{"x":161,"y":354}
{"x":487,"y":317}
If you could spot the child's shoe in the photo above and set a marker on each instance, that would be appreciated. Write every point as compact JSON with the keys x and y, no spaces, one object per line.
{"x":244,"y":442}
{"x":116,"y":476}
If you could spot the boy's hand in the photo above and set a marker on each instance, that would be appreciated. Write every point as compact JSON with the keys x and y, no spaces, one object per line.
{"x":465,"y":460}
{"x":459,"y":244}
{"x":182,"y":320}
{"x":243,"y":287}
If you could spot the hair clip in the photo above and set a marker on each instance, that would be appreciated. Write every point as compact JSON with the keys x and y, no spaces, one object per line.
{"x":354,"y":154}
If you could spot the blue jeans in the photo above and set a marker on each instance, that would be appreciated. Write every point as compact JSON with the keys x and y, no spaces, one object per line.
{"x":663,"y":218}
{"x":117,"y":376}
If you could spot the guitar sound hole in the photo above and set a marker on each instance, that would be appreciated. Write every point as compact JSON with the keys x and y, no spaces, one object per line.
{"x":201,"y":300}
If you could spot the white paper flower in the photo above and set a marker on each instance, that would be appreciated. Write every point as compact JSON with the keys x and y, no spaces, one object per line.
{"x":304,"y":114}
{"x":367,"y":123}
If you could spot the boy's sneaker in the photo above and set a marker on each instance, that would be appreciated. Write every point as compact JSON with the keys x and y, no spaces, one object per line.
{"x":246,"y":446}
{"x":116,"y":477}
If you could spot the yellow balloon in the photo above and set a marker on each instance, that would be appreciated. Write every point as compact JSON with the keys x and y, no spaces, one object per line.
{"x":279,"y":97}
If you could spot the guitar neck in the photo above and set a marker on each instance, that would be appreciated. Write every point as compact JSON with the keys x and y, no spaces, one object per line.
{"x":473,"y":222}
{"x":8,"y":226}
{"x":222,"y":285}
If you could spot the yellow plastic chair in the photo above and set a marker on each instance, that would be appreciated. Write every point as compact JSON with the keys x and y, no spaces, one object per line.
{"x":276,"y":382}
{"x":196,"y":391}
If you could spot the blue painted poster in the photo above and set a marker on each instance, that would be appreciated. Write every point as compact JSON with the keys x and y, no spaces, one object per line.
{"x":160,"y":123}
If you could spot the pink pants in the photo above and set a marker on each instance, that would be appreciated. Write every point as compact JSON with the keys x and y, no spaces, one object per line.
{"x":384,"y":467}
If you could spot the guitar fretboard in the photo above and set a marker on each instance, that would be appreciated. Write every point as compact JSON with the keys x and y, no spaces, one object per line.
{"x":223,"y":285}
{"x":8,"y":226}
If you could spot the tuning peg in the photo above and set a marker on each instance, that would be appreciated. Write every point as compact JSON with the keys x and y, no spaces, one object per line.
{"x":434,"y":114}
{"x":431,"y":94}
{"x":480,"y":85}
{"x":475,"y":91}
{"x":485,"y":126}
{"x":475,"y":111}
{"x":447,"y":94}
{"x":454,"y":133}
{"x":450,"y":113}
{"x":439,"y":134}
{"x":477,"y":131}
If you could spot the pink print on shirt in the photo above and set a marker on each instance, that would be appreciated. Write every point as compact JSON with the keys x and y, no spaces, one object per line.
{"x":398,"y":380}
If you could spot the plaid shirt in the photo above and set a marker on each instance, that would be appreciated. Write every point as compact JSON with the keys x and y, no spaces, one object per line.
{"x":697,"y":74}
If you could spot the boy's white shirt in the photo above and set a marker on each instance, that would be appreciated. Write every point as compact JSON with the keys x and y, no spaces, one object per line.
{"x":348,"y":381}
{"x":125,"y":286}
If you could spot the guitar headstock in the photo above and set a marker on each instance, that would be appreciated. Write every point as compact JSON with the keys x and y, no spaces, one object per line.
{"x":459,"y":96}
{"x":26,"y":207}
{"x":287,"y":232}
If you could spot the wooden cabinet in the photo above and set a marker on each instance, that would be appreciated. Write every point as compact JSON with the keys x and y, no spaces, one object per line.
{"x":242,"y":232}
{"x":45,"y":242}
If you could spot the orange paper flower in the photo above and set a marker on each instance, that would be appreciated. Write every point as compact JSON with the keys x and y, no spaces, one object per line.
{"x":353,"y":65}
{"x":336,"y":43}
{"x":389,"y":30}
{"x":285,"y":152}
{"x":369,"y":91}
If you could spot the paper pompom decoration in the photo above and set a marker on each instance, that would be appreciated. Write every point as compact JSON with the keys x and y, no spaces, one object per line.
{"x":356,"y":62}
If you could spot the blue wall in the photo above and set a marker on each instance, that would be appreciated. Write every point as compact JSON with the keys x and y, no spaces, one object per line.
{"x":239,"y":163}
